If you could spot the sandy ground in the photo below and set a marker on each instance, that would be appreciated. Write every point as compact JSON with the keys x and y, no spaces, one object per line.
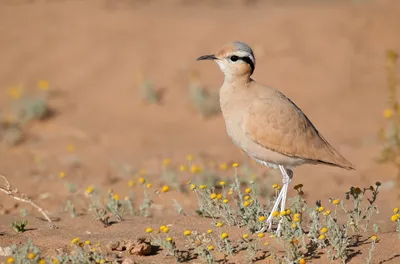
{"x":327,"y":56}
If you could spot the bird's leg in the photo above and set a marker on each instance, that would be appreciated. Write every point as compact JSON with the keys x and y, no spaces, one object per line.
{"x":287,"y":177}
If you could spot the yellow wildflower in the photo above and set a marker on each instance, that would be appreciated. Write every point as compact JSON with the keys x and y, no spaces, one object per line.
{"x":246,"y":197}
{"x":230,"y":192}
{"x":149,"y":185}
{"x":75,"y":241}
{"x":61,"y":174}
{"x":222,"y":183}
{"x":323,"y":230}
{"x":395,"y":218}
{"x":266,"y":243}
{"x":261,"y":235}
{"x":102,"y":261}
{"x":320,"y":209}
{"x":224,"y":235}
{"x":327,"y":212}
{"x":246,"y":203}
{"x":87,"y":242}
{"x":55,"y":261}
{"x":131,"y":183}
{"x":388,"y":113}
{"x":374,"y":238}
{"x":169,"y":239}
{"x":142,"y":180}
{"x":165,"y":229}
{"x":195,"y":169}
{"x":248,"y":190}
{"x":283,"y":213}
{"x":395,"y":210}
{"x":203,"y":186}
{"x":275,"y":213}
{"x":336,"y":201}
{"x":213,"y":196}
{"x":294,"y":225}
{"x":42,"y":261}
{"x":225,"y":201}
{"x":43,"y":85}
{"x":302,"y":261}
{"x":219,"y":224}
{"x":223,"y":166}
{"x":166,"y":162}
{"x":192,"y":186}
{"x":210,"y":248}
{"x":182,"y":168}
{"x":116,"y":197}
{"x":70,"y":147}
{"x":235,"y":165}
{"x":261,"y":218}
{"x":288,"y":211}
{"x":245,"y":236}
{"x":149,"y":230}
{"x":31,"y":255}
{"x":321,"y":237}
{"x":11,"y":260}
{"x":15,"y":92}
{"x":219,"y":196}
{"x":209,"y":231}
{"x":165,"y":188}
{"x":187,"y":233}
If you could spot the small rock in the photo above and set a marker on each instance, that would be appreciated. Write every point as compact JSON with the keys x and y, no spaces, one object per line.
{"x":129,"y":261}
{"x":141,"y":248}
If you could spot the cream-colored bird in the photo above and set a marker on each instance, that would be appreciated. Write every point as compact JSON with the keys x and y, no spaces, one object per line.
{"x":267,"y":125}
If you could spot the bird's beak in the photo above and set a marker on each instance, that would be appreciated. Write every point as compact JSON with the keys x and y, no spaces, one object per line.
{"x":207,"y":57}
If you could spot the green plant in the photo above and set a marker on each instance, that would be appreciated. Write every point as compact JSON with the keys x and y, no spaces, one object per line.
{"x":18,"y":226}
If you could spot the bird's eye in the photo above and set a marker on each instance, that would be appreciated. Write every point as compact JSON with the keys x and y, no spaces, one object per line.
{"x":234,"y":58}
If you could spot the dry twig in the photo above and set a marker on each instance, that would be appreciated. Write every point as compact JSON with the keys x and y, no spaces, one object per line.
{"x":23,"y":198}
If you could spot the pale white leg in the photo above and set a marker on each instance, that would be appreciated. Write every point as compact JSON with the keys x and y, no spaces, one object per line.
{"x":280,"y":199}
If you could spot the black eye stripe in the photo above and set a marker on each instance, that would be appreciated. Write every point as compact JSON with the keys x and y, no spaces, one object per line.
{"x":248,"y":61}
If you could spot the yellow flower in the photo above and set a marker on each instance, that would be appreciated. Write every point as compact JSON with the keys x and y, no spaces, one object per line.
{"x":10,"y":260}
{"x":102,"y":261}
{"x":131,"y":183}
{"x":87,"y":242}
{"x":283,"y":213}
{"x":31,"y":255}
{"x":74,"y":241}
{"x":165,"y":188}
{"x":70,"y":147}
{"x":395,"y":210}
{"x":225,"y":201}
{"x":395,"y":218}
{"x":302,"y":261}
{"x":203,"y":186}
{"x":149,"y":185}
{"x":224,"y":235}
{"x":320,"y":209}
{"x":209,"y":231}
{"x":235,"y":165}
{"x":248,"y":190}
{"x":222,"y":183}
{"x":189,"y":157}
{"x":55,"y":261}
{"x":149,"y":230}
{"x":116,"y":197}
{"x":230,"y":192}
{"x":388,"y":113}
{"x":15,"y":92}
{"x":219,"y":196}
{"x":321,"y":237}
{"x":327,"y":212}
{"x":187,"y":233}
{"x":42,"y":261}
{"x":210,"y":248}
{"x":43,"y":85}
{"x":294,"y":225}
{"x":245,"y":236}
{"x":223,"y":166}
{"x":275,"y":213}
{"x":288,"y":211}
{"x":61,"y":174}
{"x":272,"y":236}
{"x":169,"y":239}
{"x":90,"y":189}
{"x":142,"y":180}
{"x":166,"y":162}
{"x":374,"y":238}
{"x":246,"y":203}
{"x":274,"y":186}
{"x":165,"y":229}
{"x":323,"y":230}
{"x":182,"y":168}
{"x":297,"y":215}
{"x":192,"y":186}
{"x":213,"y":196}
{"x":195,"y":169}
{"x":219,"y":224}
{"x":261,"y":218}
{"x":266,"y":243}
{"x":261,"y":235}
{"x":336,"y":201}
{"x":296,"y":219}
{"x":246,"y":197}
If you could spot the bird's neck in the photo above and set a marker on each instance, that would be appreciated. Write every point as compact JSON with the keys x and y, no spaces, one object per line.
{"x":237,"y":79}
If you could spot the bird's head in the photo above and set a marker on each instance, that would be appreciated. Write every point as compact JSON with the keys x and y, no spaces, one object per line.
{"x":235,"y":59}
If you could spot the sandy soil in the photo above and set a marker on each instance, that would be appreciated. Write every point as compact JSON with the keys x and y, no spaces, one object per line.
{"x":327,"y":56}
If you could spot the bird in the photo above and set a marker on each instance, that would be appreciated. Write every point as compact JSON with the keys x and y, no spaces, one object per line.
{"x":267,"y":125}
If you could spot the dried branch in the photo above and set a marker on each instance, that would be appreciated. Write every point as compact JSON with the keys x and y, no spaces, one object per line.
{"x":23,"y":198}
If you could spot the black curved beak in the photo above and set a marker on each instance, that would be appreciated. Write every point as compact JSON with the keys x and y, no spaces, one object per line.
{"x":207,"y":57}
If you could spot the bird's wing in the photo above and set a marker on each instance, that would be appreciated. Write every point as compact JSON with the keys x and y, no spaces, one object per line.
{"x":276,"y":123}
